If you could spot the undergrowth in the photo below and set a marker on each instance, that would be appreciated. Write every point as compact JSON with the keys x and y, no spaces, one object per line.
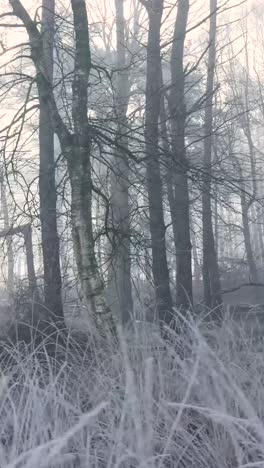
{"x":196,"y":400}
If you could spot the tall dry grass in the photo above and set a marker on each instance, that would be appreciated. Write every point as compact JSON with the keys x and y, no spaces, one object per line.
{"x":195,"y":401}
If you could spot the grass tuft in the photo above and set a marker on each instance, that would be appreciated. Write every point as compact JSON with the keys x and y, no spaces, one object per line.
{"x":196,"y":400}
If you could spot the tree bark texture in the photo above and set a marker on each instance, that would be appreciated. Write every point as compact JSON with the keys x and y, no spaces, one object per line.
{"x":26,"y":231}
{"x":47,"y":184}
{"x":211,"y":276}
{"x":10,"y":251}
{"x":252,"y":268}
{"x":154,"y":183}
{"x":120,"y":268}
{"x":179,"y":198}
{"x":76,"y":148}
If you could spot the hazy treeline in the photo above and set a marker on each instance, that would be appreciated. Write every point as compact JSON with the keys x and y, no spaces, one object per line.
{"x":131,"y":152}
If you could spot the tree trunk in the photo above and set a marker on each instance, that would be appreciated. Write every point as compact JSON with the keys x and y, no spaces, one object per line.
{"x":247,"y":202}
{"x":169,"y":165}
{"x":216,"y":227}
{"x":10,"y":252}
{"x":47,"y":184}
{"x":26,"y":231}
{"x":245,"y":205}
{"x":82,"y":229}
{"x":196,"y":262}
{"x":180,"y":207}
{"x":253,"y":273}
{"x":32,"y":280}
{"x":211,"y":276}
{"x":154,"y":184}
{"x":78,"y":157}
{"x":120,"y":269}
{"x":76,"y":148}
{"x":259,"y":234}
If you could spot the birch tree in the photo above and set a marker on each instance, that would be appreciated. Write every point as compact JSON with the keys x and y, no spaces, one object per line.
{"x":76,"y":148}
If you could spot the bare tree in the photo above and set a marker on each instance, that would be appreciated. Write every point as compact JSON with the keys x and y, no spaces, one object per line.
{"x":245,"y":163}
{"x":246,"y":229}
{"x":177,"y":177}
{"x":211,"y":276}
{"x":26,"y":231}
{"x":76,"y":148}
{"x":120,"y":269}
{"x":10,"y":251}
{"x":154,"y":183}
{"x":47,"y":184}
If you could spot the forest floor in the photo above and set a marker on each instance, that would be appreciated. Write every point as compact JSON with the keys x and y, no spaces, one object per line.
{"x":75,"y":316}
{"x":194,"y":401}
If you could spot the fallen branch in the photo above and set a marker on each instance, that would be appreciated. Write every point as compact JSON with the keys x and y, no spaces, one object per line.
{"x":226,"y":291}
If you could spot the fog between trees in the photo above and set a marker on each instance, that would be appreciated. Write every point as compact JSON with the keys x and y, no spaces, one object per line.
{"x":131,"y":145}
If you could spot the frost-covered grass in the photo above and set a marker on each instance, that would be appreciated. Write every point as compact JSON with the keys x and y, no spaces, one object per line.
{"x":144,"y":404}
